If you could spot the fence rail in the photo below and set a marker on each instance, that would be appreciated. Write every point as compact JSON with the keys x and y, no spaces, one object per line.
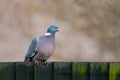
{"x":60,"y":71}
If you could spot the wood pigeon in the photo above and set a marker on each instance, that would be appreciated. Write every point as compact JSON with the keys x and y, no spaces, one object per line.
{"x":42,"y":47}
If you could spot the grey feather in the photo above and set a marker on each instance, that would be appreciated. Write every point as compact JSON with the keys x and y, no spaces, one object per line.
{"x":31,"y":50}
{"x":45,"y":48}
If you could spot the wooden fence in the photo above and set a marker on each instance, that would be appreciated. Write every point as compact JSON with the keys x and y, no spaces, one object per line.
{"x":60,"y":71}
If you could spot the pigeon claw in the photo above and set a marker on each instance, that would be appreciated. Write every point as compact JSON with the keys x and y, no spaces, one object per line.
{"x":47,"y":63}
{"x":36,"y":62}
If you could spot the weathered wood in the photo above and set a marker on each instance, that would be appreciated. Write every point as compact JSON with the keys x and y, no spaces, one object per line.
{"x":7,"y":71}
{"x":43,"y":72}
{"x":99,"y":71}
{"x":114,"y":71}
{"x":24,"y":71}
{"x":80,"y":71}
{"x":62,"y":71}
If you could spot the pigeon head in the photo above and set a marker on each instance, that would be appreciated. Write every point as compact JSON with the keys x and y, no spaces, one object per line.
{"x":53,"y":29}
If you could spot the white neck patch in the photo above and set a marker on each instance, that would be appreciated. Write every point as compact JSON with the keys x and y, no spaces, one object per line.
{"x":48,"y":34}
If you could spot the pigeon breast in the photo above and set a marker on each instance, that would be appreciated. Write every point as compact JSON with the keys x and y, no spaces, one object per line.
{"x":45,"y":47}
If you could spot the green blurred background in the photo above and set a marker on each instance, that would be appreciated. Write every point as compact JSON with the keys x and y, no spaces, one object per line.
{"x":89,"y":28}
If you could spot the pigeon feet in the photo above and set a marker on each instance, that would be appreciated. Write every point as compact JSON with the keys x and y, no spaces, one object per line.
{"x":36,"y":62}
{"x":47,"y":63}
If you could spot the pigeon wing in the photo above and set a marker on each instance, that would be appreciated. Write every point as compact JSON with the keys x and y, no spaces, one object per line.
{"x":32,"y":50}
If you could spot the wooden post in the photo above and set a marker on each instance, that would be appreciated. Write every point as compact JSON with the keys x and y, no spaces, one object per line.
{"x":62,"y":71}
{"x":115,"y":71}
{"x":80,"y":71}
{"x":24,"y":71}
{"x":7,"y":71}
{"x":99,"y":71}
{"x":43,"y":72}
